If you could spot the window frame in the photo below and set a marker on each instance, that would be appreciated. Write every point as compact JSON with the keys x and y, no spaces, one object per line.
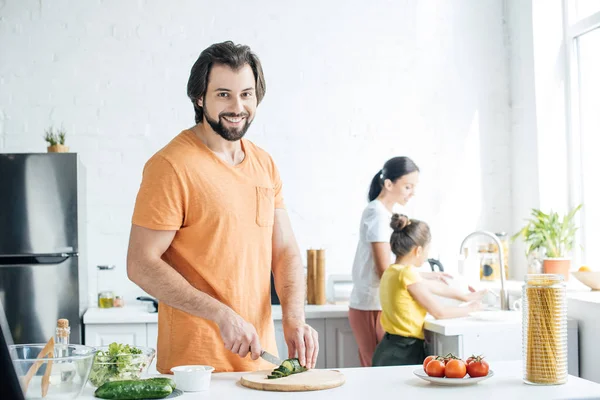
{"x":574,"y":29}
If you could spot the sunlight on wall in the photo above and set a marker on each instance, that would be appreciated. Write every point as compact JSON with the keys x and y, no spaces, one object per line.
{"x":463,"y":203}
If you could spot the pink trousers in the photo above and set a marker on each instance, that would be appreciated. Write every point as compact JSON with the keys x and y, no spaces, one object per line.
{"x":368,"y":332}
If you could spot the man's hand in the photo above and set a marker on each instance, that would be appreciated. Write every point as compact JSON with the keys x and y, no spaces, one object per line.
{"x":239,"y":336}
{"x":302,"y":340}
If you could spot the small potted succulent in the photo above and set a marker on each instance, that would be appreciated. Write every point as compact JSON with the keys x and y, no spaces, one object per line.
{"x":551,"y":235}
{"x":56,"y":140}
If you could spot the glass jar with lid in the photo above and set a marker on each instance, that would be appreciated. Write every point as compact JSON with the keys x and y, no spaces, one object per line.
{"x":105,"y":276}
{"x":545,"y":330}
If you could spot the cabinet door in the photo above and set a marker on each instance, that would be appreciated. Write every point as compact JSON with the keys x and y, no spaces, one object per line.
{"x":340,"y":345}
{"x":500,"y":345}
{"x":103,"y":335}
{"x":318,"y":324}
{"x":280,"y":340}
{"x":441,"y":344}
{"x":152,"y":339}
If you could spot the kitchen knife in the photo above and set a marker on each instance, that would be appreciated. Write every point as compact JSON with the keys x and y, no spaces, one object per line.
{"x":270,"y":358}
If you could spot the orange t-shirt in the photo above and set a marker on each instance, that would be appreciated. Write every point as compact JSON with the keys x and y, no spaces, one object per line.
{"x":224,"y":219}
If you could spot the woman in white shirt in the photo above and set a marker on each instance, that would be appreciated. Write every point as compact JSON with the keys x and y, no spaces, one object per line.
{"x":392,"y":186}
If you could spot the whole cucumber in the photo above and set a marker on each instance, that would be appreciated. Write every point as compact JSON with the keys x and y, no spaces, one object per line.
{"x":164,"y":380}
{"x":133,"y":390}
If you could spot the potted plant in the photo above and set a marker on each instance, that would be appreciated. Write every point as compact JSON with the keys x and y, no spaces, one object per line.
{"x":56,"y":140}
{"x":553,"y":236}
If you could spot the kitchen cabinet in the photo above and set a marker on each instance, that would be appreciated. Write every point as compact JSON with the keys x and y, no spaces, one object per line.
{"x":152,"y":340}
{"x":137,"y":334}
{"x":103,"y":335}
{"x":341,"y":350}
{"x":500,"y":345}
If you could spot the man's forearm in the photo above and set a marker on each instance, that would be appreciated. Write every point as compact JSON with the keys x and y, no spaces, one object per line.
{"x":161,"y":281}
{"x":289,"y":283}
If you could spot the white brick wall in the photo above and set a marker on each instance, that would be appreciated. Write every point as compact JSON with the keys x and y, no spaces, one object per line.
{"x":349,"y":85}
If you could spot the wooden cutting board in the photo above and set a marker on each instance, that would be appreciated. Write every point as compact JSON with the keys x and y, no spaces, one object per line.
{"x":314,"y":379}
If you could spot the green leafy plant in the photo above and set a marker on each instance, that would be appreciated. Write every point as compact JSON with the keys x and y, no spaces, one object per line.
{"x":549,"y":232}
{"x":55,"y":137}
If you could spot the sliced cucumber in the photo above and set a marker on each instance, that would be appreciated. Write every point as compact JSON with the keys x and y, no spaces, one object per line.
{"x":287,"y":364}
{"x":287,"y":368}
{"x":283,"y":370}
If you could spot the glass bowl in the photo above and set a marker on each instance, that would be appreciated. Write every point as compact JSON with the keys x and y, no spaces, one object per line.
{"x":120,"y":367}
{"x":69,"y":370}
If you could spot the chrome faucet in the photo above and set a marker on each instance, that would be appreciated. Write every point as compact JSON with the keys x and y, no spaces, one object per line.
{"x":503,"y":292}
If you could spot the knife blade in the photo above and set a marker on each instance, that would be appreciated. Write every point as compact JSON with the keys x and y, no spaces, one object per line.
{"x":270,"y":358}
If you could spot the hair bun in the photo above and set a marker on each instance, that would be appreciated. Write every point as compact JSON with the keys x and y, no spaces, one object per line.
{"x":399,"y":222}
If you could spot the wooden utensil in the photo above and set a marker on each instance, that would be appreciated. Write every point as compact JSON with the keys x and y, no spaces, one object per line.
{"x":48,"y":350}
{"x":319,"y":290}
{"x":311,"y":275}
{"x":314,"y":379}
{"x":46,"y":377}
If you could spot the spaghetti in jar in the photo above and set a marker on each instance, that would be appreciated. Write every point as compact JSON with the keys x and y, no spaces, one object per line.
{"x":545,"y":330}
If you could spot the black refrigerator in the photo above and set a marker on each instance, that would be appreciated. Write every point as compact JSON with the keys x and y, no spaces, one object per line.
{"x":42,"y":244}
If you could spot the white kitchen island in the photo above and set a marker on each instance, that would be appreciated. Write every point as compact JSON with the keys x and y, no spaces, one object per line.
{"x":400,"y":382}
{"x":585,"y":309}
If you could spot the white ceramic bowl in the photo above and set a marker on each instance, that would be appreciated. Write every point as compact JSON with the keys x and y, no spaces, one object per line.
{"x":192,"y":378}
{"x":589,"y":278}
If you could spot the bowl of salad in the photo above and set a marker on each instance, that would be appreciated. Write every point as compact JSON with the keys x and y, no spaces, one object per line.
{"x":120,"y":362}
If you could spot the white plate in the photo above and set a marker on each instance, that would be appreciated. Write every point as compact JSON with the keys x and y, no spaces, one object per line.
{"x":498,"y":315}
{"x":467,"y":380}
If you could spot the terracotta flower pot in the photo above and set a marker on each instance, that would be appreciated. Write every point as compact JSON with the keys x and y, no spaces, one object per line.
{"x":557,"y":266}
{"x":58,"y":148}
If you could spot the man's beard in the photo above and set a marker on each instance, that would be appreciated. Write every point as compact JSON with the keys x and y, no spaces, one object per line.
{"x":231,"y":134}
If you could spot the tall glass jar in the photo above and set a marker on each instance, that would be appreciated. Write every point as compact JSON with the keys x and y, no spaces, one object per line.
{"x":544,"y":330}
{"x":105,"y":278}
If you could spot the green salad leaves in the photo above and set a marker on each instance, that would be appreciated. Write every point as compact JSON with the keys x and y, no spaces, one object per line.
{"x":119,"y":362}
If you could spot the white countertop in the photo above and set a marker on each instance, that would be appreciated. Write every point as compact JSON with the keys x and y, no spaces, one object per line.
{"x":119,"y":315}
{"x":588,"y":297}
{"x":449,"y":327}
{"x":140,"y":314}
{"x":389,"y":382}
{"x":515,"y":287}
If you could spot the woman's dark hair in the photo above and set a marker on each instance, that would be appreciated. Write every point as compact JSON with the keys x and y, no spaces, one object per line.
{"x":226,"y":53}
{"x":407,"y":234}
{"x":395,"y":168}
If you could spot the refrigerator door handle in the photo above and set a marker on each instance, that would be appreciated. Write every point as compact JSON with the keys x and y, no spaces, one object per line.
{"x":34,"y":259}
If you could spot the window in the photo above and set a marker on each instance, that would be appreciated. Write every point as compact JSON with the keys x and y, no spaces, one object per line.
{"x":583,"y":67}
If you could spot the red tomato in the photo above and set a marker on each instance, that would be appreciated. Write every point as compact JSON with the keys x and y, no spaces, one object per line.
{"x":427,"y":360}
{"x":436,"y":368}
{"x":478,"y":367}
{"x":456,"y":369}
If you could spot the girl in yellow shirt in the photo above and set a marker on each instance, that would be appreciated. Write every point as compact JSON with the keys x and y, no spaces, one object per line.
{"x":406,"y":298}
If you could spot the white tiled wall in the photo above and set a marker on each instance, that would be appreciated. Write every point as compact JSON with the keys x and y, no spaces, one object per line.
{"x":349,"y":85}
